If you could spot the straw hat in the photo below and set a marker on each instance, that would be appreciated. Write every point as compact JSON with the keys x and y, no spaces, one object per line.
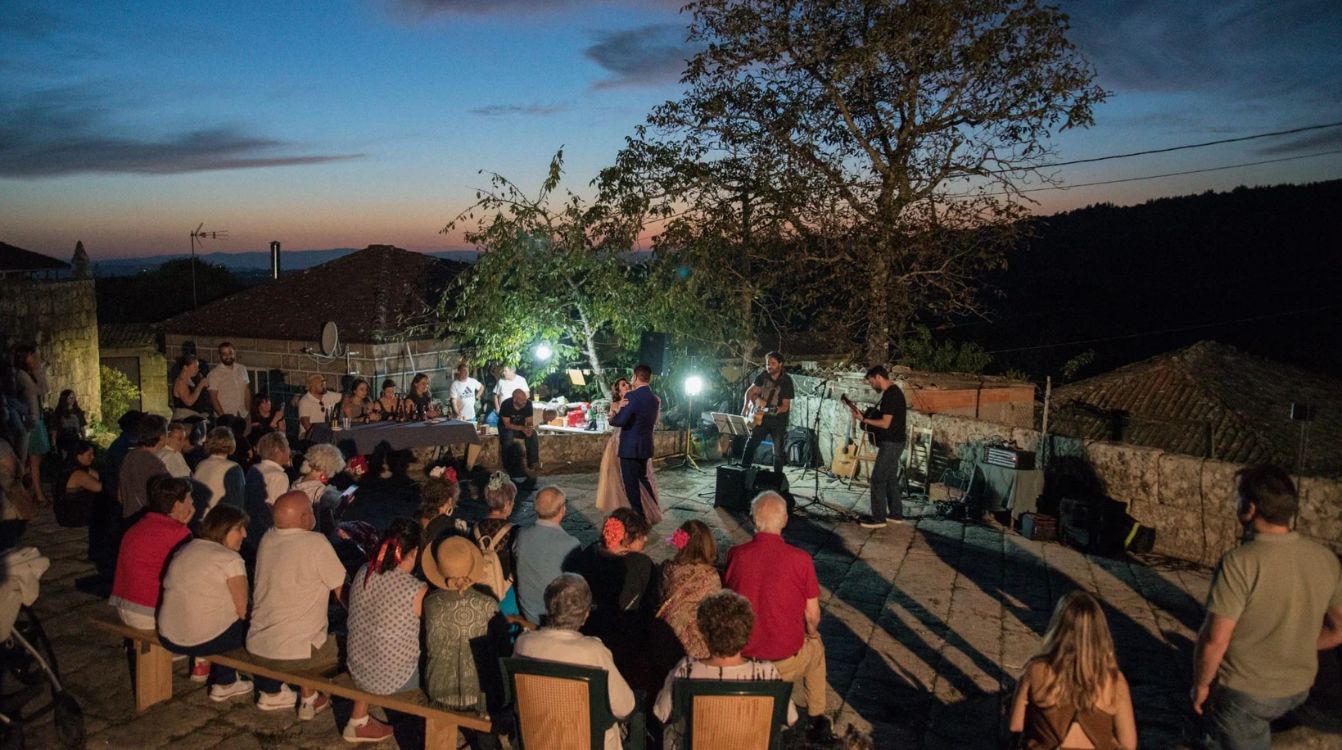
{"x":454,"y":557}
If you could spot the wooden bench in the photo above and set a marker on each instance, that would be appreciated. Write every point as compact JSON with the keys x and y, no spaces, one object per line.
{"x":153,"y":683}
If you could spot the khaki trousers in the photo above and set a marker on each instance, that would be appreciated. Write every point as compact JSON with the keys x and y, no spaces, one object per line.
{"x":806,"y":671}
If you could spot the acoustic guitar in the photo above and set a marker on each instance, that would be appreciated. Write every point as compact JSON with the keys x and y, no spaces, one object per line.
{"x":758,"y":411}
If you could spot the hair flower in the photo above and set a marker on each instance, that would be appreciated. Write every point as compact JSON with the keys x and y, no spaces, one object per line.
{"x":679,"y":539}
{"x":612,"y":533}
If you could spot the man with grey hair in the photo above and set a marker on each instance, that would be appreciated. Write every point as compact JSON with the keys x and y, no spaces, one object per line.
{"x":542,"y":551}
{"x":779,"y":581}
{"x":568,"y":599}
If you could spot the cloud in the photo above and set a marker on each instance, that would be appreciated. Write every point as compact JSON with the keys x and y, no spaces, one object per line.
{"x":1317,"y":141}
{"x":645,"y":56}
{"x":507,"y":110}
{"x":68,"y":131}
{"x":429,"y":8}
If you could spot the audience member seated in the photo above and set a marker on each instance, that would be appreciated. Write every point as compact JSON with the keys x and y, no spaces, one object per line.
{"x":1072,"y":693}
{"x":624,"y":599}
{"x":496,"y":536}
{"x":171,"y":451}
{"x":317,"y":406}
{"x":243,"y":454}
{"x":204,"y":608}
{"x":265,"y":418}
{"x":686,"y":579}
{"x":105,"y":523}
{"x":420,"y":404}
{"x":385,"y":604}
{"x":145,"y":550}
{"x":12,"y":520}
{"x":141,"y":464}
{"x":517,"y":421}
{"x":80,"y":488}
{"x":68,"y":423}
{"x":266,"y":481}
{"x":464,"y":634}
{"x":219,"y":479}
{"x":297,"y":571}
{"x":355,"y":405}
{"x":543,"y":551}
{"x":725,"y":621}
{"x":568,"y":601}
{"x":388,"y":405}
{"x":780,"y":583}
{"x":321,"y":462}
{"x":438,"y":503}
{"x":194,"y":450}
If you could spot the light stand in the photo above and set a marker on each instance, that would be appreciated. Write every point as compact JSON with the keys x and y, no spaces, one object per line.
{"x":693,"y":386}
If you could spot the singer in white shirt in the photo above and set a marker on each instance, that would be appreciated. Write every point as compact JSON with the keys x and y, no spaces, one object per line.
{"x":316,"y":404}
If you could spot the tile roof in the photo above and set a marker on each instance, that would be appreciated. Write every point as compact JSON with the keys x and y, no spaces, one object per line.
{"x":1211,"y":400}
{"x":126,"y":335}
{"x":17,"y":259}
{"x":372,"y":295}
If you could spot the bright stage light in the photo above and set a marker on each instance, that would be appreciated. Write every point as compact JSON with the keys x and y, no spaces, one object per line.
{"x":694,"y":385}
{"x":543,"y":351}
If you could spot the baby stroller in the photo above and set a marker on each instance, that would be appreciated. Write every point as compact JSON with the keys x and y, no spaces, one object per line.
{"x":30,"y":684}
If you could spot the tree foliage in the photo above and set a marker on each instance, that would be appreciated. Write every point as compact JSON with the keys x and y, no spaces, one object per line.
{"x":860,"y":157}
{"x":921,"y":351}
{"x":119,"y":396}
{"x":163,"y":292}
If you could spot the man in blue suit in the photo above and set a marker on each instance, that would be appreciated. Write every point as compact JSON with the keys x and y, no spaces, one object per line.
{"x":636,"y":420}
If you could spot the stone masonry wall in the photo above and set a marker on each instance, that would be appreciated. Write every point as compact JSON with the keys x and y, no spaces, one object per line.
{"x":62,"y":318}
{"x":1189,"y":501}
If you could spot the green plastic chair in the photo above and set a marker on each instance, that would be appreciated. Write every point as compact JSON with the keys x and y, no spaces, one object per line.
{"x":736,"y":714}
{"x":563,"y":706}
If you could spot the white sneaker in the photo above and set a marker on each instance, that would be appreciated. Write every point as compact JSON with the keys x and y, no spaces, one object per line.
{"x":282,"y":700}
{"x":308,"y":709}
{"x":220,"y":693}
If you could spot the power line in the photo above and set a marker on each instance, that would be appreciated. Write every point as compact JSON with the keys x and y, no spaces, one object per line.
{"x":1168,"y":149}
{"x":1177,"y":329}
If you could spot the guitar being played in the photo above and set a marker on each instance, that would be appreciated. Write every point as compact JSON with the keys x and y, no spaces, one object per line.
{"x":767,"y":403}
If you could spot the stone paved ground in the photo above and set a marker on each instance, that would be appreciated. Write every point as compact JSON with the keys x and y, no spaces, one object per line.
{"x":925,"y":627}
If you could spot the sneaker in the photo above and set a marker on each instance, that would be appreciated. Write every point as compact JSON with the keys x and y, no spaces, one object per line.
{"x":221,"y":693}
{"x":369,"y":730}
{"x":200,"y":671}
{"x":892,"y":521}
{"x":281,"y":700}
{"x":867,"y":522}
{"x":310,"y":707}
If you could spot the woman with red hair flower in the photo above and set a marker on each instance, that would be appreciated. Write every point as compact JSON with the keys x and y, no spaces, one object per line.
{"x":623,"y":588}
{"x":686,"y":579}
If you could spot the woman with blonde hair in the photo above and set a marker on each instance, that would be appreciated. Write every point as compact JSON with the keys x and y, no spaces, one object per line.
{"x":1072,"y":694}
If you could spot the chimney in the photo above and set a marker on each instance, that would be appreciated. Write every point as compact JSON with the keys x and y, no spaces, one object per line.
{"x":275,"y":260}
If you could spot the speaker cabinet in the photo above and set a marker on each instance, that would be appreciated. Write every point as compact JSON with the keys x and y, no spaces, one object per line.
{"x":652,"y":351}
{"x":732,"y":490}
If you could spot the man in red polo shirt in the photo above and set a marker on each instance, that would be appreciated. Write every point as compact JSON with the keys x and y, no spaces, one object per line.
{"x":779,"y":581}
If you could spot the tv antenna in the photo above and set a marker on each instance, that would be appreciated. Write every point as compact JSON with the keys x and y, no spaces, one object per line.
{"x":198,"y":236}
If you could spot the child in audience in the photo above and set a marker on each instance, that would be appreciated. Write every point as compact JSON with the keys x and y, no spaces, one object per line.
{"x":145,"y":549}
{"x":386,"y":602}
{"x":1072,"y":694}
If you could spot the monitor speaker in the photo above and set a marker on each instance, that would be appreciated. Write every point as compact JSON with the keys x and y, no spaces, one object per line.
{"x":732,"y":491}
{"x":652,"y":351}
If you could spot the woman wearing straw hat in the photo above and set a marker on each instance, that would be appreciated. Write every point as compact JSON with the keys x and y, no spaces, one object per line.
{"x":460,"y":676}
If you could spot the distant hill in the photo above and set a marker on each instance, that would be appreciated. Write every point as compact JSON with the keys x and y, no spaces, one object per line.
{"x":247,"y":263}
{"x":1257,"y":268}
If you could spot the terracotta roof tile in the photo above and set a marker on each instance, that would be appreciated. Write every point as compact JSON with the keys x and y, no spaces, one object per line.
{"x":17,"y":259}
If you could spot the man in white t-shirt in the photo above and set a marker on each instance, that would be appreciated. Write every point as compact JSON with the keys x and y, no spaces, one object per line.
{"x":315,"y":405}
{"x":509,"y":381}
{"x":465,"y":391}
{"x":229,"y":384}
{"x":296,"y":572}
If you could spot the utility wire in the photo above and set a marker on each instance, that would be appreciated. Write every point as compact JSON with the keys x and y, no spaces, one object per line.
{"x":1178,"y":329}
{"x":1167,"y":150}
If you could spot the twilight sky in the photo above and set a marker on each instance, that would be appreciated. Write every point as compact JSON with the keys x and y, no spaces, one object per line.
{"x":349,"y":122}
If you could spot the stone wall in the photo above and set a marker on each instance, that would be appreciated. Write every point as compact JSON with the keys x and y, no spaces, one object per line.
{"x":570,"y":452}
{"x":1187,"y":500}
{"x":62,"y":318}
{"x":152,"y":369}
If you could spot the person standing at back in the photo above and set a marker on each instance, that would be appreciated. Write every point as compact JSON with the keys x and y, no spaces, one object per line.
{"x":465,"y":392}
{"x":229,"y":384}
{"x":1275,"y":601}
{"x":887,"y":428}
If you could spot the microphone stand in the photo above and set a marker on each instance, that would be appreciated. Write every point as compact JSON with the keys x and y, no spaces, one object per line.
{"x":817,"y":500}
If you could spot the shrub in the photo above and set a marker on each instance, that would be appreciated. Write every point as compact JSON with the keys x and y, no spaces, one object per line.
{"x":119,"y":396}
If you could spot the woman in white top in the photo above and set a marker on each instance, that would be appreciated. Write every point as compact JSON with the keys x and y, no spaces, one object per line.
{"x":725,"y":618}
{"x":204,"y":604}
{"x":219,"y":478}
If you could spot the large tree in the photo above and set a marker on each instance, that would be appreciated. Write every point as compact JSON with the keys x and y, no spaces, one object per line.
{"x":875,"y":149}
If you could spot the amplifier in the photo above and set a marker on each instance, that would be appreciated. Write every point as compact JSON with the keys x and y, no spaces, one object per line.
{"x":1008,"y":458}
{"x":733,"y":487}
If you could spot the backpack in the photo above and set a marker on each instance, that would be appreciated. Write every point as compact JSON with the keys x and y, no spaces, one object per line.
{"x":493,"y":569}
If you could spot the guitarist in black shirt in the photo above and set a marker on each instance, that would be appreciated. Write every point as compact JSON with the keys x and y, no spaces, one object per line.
{"x":768,"y":401}
{"x":887,"y":428}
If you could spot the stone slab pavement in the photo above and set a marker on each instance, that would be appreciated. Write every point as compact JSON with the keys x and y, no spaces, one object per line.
{"x":925,"y":625}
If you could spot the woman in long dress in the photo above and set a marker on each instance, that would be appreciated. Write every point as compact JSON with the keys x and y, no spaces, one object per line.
{"x":609,"y":485}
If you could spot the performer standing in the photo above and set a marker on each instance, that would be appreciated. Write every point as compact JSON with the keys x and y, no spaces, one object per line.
{"x":886,"y":423}
{"x":636,"y":420}
{"x":768,"y":401}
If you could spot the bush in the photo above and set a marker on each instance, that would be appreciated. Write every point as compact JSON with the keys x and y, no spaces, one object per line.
{"x":119,"y":396}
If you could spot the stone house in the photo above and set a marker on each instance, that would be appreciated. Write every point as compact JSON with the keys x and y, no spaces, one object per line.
{"x":377,"y":299}
{"x":41,"y":303}
{"x":134,"y":351}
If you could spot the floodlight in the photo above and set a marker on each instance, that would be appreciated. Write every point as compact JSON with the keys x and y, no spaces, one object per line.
{"x":694,"y":385}
{"x":543,"y":351}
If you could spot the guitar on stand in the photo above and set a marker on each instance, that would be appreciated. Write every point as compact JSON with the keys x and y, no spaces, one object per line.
{"x":817,"y":500}
{"x":864,"y":451}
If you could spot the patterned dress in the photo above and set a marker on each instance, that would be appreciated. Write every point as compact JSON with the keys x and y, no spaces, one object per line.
{"x":462,"y":633}
{"x":383,"y":630}
{"x":683,"y":587}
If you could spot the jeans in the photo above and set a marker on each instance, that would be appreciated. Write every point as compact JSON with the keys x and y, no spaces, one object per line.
{"x":533,"y":443}
{"x":776,"y":428}
{"x":1239,"y":721}
{"x":233,"y":638}
{"x":885,"y":498}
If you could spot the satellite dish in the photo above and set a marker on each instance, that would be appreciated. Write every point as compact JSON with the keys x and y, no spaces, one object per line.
{"x":330,"y":338}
